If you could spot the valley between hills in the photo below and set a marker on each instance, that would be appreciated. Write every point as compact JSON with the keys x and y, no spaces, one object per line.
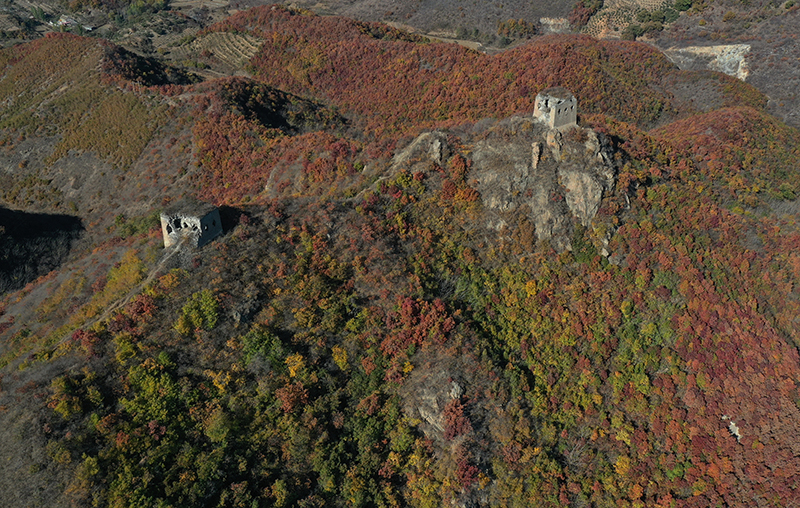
{"x":421,"y":295}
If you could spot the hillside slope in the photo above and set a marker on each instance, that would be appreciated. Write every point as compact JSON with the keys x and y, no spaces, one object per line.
{"x":422,"y":297}
{"x":392,"y":85}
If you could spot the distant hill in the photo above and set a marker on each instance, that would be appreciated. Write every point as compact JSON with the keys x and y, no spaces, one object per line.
{"x":455,"y":17}
{"x":768,"y":29}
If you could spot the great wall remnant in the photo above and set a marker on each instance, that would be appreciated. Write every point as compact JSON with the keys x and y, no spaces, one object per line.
{"x":556,"y":107}
{"x":190,"y":221}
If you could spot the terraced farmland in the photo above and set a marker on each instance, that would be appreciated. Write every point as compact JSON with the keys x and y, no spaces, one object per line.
{"x":616,"y":15}
{"x":233,"y":50}
{"x":649,"y":5}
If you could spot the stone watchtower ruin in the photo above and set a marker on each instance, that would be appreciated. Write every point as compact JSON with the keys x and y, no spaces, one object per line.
{"x":190,"y":221}
{"x":556,"y":107}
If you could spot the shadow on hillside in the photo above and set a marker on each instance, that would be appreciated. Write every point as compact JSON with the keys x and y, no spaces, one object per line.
{"x":232,"y":217}
{"x":32,"y":244}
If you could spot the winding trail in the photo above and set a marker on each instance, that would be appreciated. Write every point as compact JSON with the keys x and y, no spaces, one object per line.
{"x":121,"y":302}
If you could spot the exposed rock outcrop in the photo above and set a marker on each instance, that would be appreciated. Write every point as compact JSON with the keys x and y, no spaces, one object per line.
{"x":555,"y":176}
{"x":428,"y":398}
{"x":428,"y":145}
{"x":585,"y":186}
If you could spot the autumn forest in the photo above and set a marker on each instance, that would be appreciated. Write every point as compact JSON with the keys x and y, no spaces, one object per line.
{"x":369,"y":331}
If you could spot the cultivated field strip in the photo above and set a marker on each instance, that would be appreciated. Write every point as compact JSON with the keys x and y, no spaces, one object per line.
{"x":648,"y":5}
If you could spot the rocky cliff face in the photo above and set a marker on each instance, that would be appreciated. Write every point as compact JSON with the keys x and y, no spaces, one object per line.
{"x":557,"y":179}
{"x":727,"y":58}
